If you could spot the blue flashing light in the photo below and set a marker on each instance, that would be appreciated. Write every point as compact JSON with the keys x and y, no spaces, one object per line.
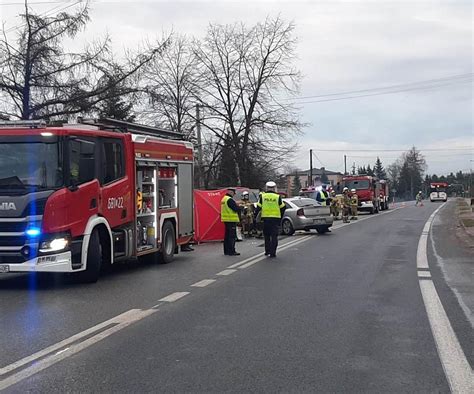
{"x":33,"y":232}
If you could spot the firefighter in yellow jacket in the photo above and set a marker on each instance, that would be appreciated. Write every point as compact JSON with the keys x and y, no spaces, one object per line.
{"x":334,"y":207}
{"x":247,"y":214}
{"x":354,"y":204}
{"x":346,"y":205}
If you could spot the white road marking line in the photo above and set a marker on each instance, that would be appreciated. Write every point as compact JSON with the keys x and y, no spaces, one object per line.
{"x":256,"y":256}
{"x":424,"y":274}
{"x":50,"y":349}
{"x":174,"y":296}
{"x":123,"y":320}
{"x":250,"y":263}
{"x":203,"y":283}
{"x":226,"y":272}
{"x":62,"y":351}
{"x":287,"y":246}
{"x":457,"y":369}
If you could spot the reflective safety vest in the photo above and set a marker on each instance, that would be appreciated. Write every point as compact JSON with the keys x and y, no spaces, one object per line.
{"x":227,"y":214}
{"x":270,"y":206}
{"x":354,"y":199}
{"x":323,"y":197}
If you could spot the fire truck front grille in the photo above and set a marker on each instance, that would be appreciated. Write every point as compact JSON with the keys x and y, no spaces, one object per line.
{"x":12,"y":227}
{"x":12,"y":259}
{"x":12,"y":241}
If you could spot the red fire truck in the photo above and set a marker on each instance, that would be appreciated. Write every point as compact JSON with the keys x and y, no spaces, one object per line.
{"x":367,"y":189}
{"x":76,"y":197}
{"x":439,"y":191}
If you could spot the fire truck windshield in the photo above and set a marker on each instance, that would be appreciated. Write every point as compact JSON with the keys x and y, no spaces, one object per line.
{"x":357,"y":184}
{"x":30,"y":165}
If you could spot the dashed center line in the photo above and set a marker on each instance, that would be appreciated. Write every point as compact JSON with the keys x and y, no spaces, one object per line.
{"x":226,"y":272}
{"x":174,"y":296}
{"x":203,"y":283}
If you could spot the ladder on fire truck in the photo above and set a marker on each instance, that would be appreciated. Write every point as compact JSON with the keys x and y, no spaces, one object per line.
{"x":122,"y":126}
{"x":107,"y":124}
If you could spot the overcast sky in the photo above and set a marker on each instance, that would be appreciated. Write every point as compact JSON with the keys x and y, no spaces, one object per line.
{"x":343,"y":46}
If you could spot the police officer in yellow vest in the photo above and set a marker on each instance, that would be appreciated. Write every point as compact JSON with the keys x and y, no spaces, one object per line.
{"x":273,"y":208}
{"x":230,"y":217}
{"x":323,"y":196}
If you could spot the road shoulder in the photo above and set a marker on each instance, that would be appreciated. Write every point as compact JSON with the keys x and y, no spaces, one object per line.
{"x":452,"y":266}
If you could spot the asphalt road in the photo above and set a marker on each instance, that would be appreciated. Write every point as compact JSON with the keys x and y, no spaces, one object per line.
{"x":340,"y":312}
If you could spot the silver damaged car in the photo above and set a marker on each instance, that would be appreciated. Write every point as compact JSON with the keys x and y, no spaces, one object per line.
{"x":304,"y":213}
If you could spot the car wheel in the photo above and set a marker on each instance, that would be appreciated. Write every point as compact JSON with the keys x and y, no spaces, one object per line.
{"x":168,"y":246}
{"x":287,"y":227}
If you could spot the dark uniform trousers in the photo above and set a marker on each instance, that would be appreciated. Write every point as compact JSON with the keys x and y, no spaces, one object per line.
{"x":270,"y":232}
{"x":229,"y":237}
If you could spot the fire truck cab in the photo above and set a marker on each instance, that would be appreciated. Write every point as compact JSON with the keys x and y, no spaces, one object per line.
{"x":438,"y":191}
{"x":74,"y":198}
{"x":367,"y":189}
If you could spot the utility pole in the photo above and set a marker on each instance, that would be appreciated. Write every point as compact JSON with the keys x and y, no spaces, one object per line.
{"x":353,"y":168}
{"x":310,"y":182}
{"x":345,"y":165}
{"x":199,"y":141}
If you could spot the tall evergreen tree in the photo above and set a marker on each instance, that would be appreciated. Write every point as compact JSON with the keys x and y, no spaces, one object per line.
{"x":379,"y":170}
{"x":369,"y":170}
{"x":411,"y":174}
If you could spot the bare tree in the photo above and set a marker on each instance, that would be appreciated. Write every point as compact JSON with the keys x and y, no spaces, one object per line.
{"x":248,"y":73}
{"x":40,"y":79}
{"x":172,"y":83}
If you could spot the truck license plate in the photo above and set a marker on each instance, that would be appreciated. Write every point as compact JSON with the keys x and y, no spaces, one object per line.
{"x":4,"y":268}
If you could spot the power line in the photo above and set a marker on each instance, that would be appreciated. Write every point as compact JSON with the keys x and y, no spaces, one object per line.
{"x":381,"y":93}
{"x":49,"y":12}
{"x":317,"y":158}
{"x":399,"y":86}
{"x":393,"y":150}
{"x":32,"y":3}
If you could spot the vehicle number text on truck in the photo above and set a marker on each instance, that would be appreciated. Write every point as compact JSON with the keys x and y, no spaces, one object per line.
{"x":115,"y":202}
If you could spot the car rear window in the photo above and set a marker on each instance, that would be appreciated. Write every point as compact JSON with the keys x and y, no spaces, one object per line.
{"x":305,"y":202}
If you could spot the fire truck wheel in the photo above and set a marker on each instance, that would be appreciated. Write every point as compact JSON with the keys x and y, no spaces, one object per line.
{"x":166,"y":254}
{"x":94,"y":260}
